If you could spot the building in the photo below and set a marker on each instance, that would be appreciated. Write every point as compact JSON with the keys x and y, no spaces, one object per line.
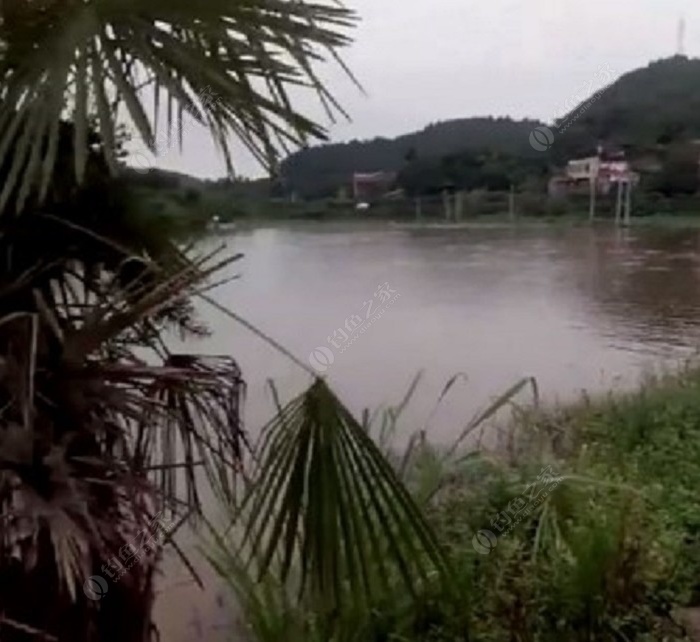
{"x":605,"y":169}
{"x":583,"y":169}
{"x":369,"y":187}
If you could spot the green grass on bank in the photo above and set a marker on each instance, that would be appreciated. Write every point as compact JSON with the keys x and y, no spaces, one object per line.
{"x":583,"y":525}
{"x":610,"y":551}
{"x":678,"y":220}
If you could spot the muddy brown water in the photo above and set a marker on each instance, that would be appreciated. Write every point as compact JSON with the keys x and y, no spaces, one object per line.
{"x":577,"y":308}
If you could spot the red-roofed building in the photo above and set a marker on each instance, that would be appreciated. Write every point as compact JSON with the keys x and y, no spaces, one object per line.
{"x":369,"y":187}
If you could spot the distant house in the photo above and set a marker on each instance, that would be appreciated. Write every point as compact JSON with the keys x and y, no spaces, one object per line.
{"x":606,"y":169}
{"x":583,"y":169}
{"x":369,"y":187}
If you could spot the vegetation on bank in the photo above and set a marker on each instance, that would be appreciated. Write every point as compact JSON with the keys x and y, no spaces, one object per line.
{"x":583,"y":524}
{"x":184,"y":205}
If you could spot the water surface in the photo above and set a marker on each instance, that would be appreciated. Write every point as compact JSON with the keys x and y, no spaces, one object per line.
{"x":576,"y":308}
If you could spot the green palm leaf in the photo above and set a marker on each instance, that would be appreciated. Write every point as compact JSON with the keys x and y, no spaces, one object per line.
{"x":326,"y":512}
{"x":228,"y":63}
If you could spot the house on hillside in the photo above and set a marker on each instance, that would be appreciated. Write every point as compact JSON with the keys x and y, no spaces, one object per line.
{"x":605,"y":170}
{"x":369,"y":187}
{"x":582,"y":169}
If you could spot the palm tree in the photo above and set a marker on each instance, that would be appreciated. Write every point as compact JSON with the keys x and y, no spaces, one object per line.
{"x":102,"y":427}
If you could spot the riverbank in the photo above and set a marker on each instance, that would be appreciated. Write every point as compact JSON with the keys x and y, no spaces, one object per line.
{"x":583,"y":524}
{"x":485,"y":221}
{"x":681,"y":220}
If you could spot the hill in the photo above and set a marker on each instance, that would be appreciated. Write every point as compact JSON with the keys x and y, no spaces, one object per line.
{"x":645,"y":111}
{"x":319,"y":171}
{"x":655,"y":105}
{"x":652,"y":113}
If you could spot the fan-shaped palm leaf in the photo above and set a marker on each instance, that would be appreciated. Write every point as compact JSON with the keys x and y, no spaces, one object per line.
{"x":327,"y":510}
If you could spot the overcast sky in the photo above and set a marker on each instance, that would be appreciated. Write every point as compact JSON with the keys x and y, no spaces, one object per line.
{"x":422,"y":61}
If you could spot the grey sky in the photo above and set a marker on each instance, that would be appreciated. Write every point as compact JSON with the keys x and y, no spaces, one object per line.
{"x":421,"y":61}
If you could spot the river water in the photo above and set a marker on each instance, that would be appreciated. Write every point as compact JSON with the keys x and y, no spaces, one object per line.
{"x":577,"y":308}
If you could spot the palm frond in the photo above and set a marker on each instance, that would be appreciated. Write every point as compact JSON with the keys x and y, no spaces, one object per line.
{"x":326,"y":513}
{"x":228,"y":64}
{"x":182,"y":417}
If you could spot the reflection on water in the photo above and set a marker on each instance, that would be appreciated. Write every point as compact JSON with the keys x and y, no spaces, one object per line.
{"x":577,"y":308}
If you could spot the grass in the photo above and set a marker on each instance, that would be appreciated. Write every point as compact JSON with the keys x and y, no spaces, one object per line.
{"x":583,"y":525}
{"x":681,"y":219}
{"x":651,"y":440}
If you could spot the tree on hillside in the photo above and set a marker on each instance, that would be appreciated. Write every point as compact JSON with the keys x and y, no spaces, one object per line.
{"x":680,"y":173}
{"x":470,"y":170}
{"x":657,"y":104}
{"x":321,"y":170}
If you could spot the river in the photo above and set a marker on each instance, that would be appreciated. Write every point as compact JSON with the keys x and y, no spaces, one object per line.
{"x":578,"y":308}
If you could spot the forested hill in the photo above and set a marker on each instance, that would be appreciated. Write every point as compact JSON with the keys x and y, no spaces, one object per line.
{"x":654,"y":105}
{"x":652,"y":112}
{"x":645,"y":111}
{"x":318,"y":171}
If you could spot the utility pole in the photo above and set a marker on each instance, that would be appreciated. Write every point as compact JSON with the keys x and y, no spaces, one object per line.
{"x":681,"y":37}
{"x":419,"y":209}
{"x":459,"y":206}
{"x":628,"y":203}
{"x":592,"y":199}
{"x":511,"y":203}
{"x":446,"y":205}
{"x":618,"y":204}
